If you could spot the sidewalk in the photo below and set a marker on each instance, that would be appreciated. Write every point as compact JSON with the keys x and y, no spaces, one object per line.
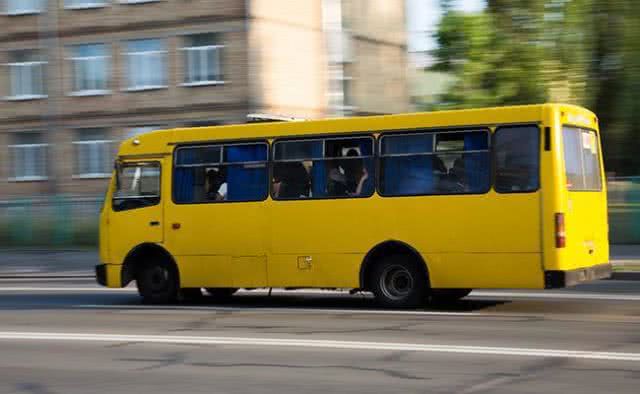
{"x":625,"y":258}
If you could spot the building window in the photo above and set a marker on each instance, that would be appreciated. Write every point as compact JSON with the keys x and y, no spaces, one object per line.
{"x":83,"y":4}
{"x":323,"y":168}
{"x":217,"y":173}
{"x":90,"y":69}
{"x":202,"y":64}
{"x":28,"y":155}
{"x":146,"y":64}
{"x":435,"y":163}
{"x":93,"y":153}
{"x":26,"y":73}
{"x":23,"y":7}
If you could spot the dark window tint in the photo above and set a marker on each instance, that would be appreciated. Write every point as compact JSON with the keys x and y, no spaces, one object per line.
{"x":582,"y":163}
{"x":435,"y":163}
{"x":517,"y":159}
{"x":323,"y":168}
{"x":137,"y":186}
{"x":220,"y":173}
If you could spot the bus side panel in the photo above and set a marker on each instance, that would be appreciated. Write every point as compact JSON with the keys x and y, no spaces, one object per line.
{"x":485,"y":270}
{"x":476,"y":241}
{"x":205,"y":271}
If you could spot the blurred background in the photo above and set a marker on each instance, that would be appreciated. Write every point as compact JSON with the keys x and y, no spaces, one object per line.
{"x":79,"y":76}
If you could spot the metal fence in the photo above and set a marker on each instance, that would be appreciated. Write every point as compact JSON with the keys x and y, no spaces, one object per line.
{"x":66,"y":221}
{"x":56,"y":222}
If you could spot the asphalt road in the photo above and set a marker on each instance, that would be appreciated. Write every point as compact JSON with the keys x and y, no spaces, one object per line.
{"x":70,"y":336}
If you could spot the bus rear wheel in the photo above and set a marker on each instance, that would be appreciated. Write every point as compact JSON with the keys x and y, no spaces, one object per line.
{"x":157,"y":283}
{"x":398,"y":282}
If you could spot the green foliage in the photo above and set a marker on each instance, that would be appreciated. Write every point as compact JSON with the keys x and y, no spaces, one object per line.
{"x":584,"y":52}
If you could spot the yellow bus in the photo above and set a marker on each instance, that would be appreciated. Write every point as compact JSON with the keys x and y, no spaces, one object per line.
{"x":410,"y":207}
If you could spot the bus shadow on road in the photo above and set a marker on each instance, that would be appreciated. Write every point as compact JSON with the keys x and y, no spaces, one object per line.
{"x":352,"y":302}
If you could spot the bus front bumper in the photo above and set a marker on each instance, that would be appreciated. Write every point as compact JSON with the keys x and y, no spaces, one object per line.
{"x":559,"y":279}
{"x":109,"y":275}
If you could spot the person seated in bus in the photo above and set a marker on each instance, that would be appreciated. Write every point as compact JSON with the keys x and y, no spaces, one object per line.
{"x":291,"y":180}
{"x":356,"y":173}
{"x":458,"y":176}
{"x":216,"y":185}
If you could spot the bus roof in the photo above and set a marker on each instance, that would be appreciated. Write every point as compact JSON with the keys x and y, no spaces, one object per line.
{"x":162,"y":141}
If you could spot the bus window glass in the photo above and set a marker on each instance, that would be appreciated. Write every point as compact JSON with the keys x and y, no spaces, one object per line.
{"x":137,"y":186}
{"x":239,"y":174}
{"x":198,"y":155}
{"x":459,"y":164}
{"x":582,"y":163}
{"x":517,"y":159}
{"x":328,"y":168}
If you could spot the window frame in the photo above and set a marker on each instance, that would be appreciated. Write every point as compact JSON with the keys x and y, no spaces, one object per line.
{"x":164,"y":59}
{"x":323,"y":138}
{"x":221,"y":163}
{"x":30,"y":11}
{"x":107,"y":77}
{"x":92,"y":175}
{"x":35,"y":178}
{"x":434,"y":132}
{"x":186,"y":49}
{"x":600,"y":159}
{"x":134,"y":163}
{"x":494,"y":162}
{"x":90,"y":4}
{"x":28,"y":64}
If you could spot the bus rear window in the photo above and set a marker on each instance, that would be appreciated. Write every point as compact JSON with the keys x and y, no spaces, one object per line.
{"x":582,"y":162}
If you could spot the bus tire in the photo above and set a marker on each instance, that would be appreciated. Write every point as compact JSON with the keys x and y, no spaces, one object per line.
{"x":398,"y":282}
{"x":157,"y":282}
{"x":448,"y":296}
{"x":221,"y":293}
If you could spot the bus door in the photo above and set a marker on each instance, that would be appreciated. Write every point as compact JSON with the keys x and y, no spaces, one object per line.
{"x":216,"y":220}
{"x":136,"y":214}
{"x":585,"y":219}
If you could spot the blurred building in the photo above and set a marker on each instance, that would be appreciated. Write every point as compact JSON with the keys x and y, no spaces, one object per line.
{"x":78,"y":76}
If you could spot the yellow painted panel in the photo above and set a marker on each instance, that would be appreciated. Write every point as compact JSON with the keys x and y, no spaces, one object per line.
{"x":486,"y":270}
{"x":249,"y":271}
{"x":114,"y":277}
{"x":205,"y":271}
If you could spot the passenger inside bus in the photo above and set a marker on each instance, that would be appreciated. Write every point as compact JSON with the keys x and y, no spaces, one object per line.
{"x":291,"y":180}
{"x":216,"y":185}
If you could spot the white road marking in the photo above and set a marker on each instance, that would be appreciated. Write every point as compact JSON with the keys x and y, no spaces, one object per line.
{"x":324,"y":344}
{"x":558,"y":295}
{"x":66,"y":289}
{"x":569,"y":295}
{"x":284,"y":310}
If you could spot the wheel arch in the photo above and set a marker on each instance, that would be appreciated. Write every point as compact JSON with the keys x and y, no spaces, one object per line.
{"x":139,"y":254}
{"x":388,"y":248}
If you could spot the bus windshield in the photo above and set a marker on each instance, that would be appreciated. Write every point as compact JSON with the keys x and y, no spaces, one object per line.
{"x":582,"y":162}
{"x":137,"y":185}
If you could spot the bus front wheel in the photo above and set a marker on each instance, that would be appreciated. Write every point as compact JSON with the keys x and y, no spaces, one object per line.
{"x":157,"y":283}
{"x":398,"y":282}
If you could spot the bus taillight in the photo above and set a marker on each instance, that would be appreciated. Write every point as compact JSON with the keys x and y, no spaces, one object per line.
{"x":561,"y":239}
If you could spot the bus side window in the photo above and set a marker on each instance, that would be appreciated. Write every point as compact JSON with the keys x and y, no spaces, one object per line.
{"x":517,"y":159}
{"x":323,"y":168}
{"x":216,"y":173}
{"x":435,"y":163}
